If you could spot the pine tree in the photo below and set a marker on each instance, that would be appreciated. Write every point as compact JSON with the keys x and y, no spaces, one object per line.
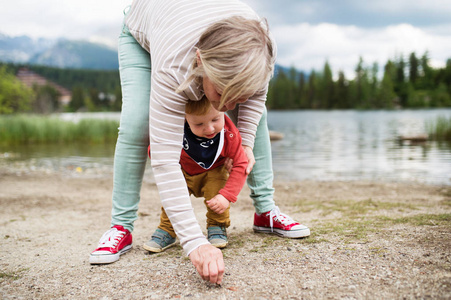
{"x":302,"y":96}
{"x":341,"y":97}
{"x":413,"y":69}
{"x":293,"y":89}
{"x":447,"y":75}
{"x":386,"y":97}
{"x":401,"y":86}
{"x":427,"y":73}
{"x":78,"y":97}
{"x":362,"y":86}
{"x":374,"y":85}
{"x":327,"y":87}
{"x":311,"y":90}
{"x":117,"y":104}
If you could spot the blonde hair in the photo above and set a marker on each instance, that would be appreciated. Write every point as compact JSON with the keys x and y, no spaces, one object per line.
{"x":237,"y":55}
{"x":198,"y":108}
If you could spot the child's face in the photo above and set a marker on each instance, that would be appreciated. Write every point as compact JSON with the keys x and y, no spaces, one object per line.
{"x":208,"y":125}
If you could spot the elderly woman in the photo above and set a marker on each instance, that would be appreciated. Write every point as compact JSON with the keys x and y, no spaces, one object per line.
{"x":171,"y":52}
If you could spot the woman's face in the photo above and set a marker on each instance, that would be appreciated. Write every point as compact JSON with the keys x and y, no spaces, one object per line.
{"x":214,"y":96}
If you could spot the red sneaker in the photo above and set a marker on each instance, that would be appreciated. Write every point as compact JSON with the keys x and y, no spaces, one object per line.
{"x":112,"y":244}
{"x":278,"y":223}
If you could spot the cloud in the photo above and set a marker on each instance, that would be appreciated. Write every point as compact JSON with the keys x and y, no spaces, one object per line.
{"x":406,"y":7}
{"x":371,"y":13}
{"x":307,"y":46}
{"x":307,"y":32}
{"x":53,"y":18}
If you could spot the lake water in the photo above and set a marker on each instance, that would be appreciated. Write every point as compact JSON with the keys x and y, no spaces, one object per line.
{"x":353,"y":145}
{"x":318,"y":145}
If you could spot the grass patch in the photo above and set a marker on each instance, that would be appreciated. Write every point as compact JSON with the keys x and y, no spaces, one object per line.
{"x":446,"y":193}
{"x":349,"y":229}
{"x":239,"y":240}
{"x":11,"y":275}
{"x":28,"y":129}
{"x":269,"y":241}
{"x":440,"y":128}
{"x":351,"y":208}
{"x":378,"y":251}
{"x":446,"y":202}
{"x":424,"y":220}
{"x":358,"y":229}
{"x":314,"y":238}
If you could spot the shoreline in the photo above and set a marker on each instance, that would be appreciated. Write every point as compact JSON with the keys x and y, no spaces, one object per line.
{"x":105,"y":171}
{"x":370,"y":240}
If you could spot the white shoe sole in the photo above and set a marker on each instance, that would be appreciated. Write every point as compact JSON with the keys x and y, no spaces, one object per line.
{"x":219,"y":244}
{"x":108,"y":258}
{"x":157,"y":250}
{"x":293,"y":234}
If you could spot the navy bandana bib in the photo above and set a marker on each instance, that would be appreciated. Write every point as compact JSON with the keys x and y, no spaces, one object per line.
{"x":202,"y":150}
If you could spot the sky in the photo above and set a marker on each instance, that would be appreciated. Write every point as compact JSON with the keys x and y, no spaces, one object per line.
{"x":307,"y":32}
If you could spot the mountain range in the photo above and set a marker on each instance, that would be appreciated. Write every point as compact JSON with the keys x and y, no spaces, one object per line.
{"x":60,"y":53}
{"x":63,"y":53}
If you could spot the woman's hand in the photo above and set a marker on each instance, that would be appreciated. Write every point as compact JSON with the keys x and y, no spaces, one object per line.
{"x":250,"y":159}
{"x":228,"y":163}
{"x":218,"y":204}
{"x":209,"y":263}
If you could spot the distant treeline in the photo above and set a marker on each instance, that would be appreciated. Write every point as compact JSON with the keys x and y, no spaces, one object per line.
{"x":406,"y":82}
{"x":103,"y":80}
{"x":92,"y":90}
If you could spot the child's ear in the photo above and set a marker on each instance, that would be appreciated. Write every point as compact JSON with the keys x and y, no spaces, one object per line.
{"x":199,"y":63}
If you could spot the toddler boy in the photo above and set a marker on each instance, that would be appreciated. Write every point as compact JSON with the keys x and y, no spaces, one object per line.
{"x":210,"y":138}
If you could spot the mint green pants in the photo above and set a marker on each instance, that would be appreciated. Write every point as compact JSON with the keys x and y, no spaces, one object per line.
{"x":131,"y":148}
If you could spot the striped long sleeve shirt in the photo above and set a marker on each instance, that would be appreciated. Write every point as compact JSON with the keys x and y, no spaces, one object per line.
{"x":169,"y":31}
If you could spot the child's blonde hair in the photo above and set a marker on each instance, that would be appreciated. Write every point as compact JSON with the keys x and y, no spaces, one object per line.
{"x":237,"y":55}
{"x":198,"y":108}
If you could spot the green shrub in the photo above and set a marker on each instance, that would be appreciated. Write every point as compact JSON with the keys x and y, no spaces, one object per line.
{"x":24,"y":129}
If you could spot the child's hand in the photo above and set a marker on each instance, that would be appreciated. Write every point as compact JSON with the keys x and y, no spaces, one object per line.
{"x":218,"y":204}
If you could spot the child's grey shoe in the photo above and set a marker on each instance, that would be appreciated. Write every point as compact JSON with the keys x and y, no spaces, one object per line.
{"x":160,"y":241}
{"x":217,"y":236}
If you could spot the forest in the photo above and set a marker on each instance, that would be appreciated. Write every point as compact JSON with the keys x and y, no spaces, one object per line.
{"x":92,"y":90}
{"x":404,"y":82}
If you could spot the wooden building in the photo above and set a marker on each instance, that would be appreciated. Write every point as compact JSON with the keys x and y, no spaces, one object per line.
{"x":29,"y":78}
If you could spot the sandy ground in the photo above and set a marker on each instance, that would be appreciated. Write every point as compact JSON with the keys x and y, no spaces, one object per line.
{"x":369,"y":241}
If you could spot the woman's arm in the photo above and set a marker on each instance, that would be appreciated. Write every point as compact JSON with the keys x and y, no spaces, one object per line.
{"x":166,"y":122}
{"x":166,"y":134}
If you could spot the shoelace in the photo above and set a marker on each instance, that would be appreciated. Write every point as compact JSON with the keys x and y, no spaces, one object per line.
{"x":282,"y":218}
{"x":111,"y":238}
